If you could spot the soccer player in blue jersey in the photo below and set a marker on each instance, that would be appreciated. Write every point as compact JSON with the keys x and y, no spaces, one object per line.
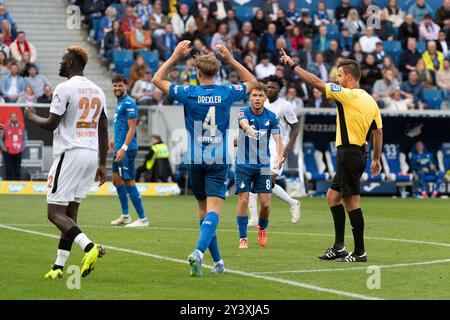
{"x":124,"y":145}
{"x":257,"y":124}
{"x":207,"y":119}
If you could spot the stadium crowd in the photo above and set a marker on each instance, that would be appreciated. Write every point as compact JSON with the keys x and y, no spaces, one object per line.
{"x":404,"y":62}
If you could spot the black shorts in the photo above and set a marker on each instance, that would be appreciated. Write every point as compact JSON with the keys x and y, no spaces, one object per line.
{"x":350,"y":165}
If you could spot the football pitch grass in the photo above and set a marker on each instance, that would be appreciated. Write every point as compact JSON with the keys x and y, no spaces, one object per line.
{"x":408,"y":239}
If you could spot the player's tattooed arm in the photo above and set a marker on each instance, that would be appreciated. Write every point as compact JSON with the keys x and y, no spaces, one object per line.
{"x":159,"y":79}
{"x":50,"y":123}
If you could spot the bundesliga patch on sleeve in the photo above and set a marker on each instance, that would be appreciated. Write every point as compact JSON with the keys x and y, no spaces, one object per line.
{"x":238,"y":87}
{"x":335,"y":87}
{"x":241,"y":114}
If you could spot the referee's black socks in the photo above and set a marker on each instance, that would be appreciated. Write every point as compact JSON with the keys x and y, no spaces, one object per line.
{"x":357,"y":222}
{"x":339,"y":226}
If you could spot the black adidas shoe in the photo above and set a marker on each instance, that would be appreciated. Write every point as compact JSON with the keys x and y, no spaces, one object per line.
{"x":352,"y":257}
{"x":332,"y":254}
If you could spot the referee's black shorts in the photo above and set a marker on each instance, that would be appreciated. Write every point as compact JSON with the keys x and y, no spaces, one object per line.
{"x":350,"y":165}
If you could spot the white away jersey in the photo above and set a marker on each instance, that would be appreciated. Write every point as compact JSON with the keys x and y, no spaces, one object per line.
{"x":80,"y":102}
{"x":286,"y":115}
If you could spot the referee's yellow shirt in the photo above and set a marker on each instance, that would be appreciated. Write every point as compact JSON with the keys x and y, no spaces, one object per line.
{"x":357,"y":113}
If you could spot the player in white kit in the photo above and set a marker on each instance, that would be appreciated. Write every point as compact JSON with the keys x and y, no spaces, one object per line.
{"x":289,"y":130}
{"x":80,"y":145}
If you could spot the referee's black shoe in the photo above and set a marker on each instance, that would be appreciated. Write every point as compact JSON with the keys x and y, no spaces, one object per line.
{"x":352,"y":257}
{"x":332,"y":254}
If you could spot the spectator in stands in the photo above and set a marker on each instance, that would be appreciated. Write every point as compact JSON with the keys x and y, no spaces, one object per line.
{"x":157,"y":20}
{"x":128,"y":21}
{"x":219,"y":9}
{"x":28,"y":97}
{"x":428,"y":30}
{"x":423,"y":164}
{"x":307,"y":54}
{"x":259,"y":22}
{"x":106,"y":22}
{"x":369,"y":41}
{"x":220,"y":37}
{"x":345,"y":43}
{"x":394,"y":14}
{"x":13,"y":85}
{"x":354,"y":24}
{"x":181,"y":19}
{"x":295,"y":40}
{"x":252,"y":50}
{"x":249,"y":63}
{"x":137,"y":70}
{"x":269,"y":38}
{"x":363,"y":11}
{"x":3,"y":46}
{"x":197,"y":7}
{"x":419,"y":10}
{"x":426,"y":76}
{"x":432,"y":57}
{"x":280,"y":45}
{"x":332,"y":53}
{"x":206,"y":23}
{"x":245,"y":35}
{"x":189,"y":74}
{"x":140,"y":39}
{"x":191,"y":34}
{"x":319,"y":67}
{"x":4,"y":15}
{"x":409,"y":58}
{"x":265,"y":68}
{"x":395,"y":101}
{"x":12,"y":140}
{"x":145,"y":92}
{"x":443,"y":15}
{"x":232,"y":22}
{"x":322,"y":41}
{"x":121,"y":8}
{"x":357,"y":53}
{"x":281,"y":23}
{"x":385,"y":86}
{"x":167,"y":42}
{"x":321,"y":15}
{"x":306,"y":24}
{"x":293,"y":97}
{"x":369,"y":73}
{"x":270,"y":9}
{"x":114,"y":40}
{"x":379,"y":53}
{"x":342,"y":11}
{"x":317,"y":100}
{"x":386,"y":31}
{"x":292,"y":14}
{"x":24,"y":65}
{"x":233,"y":78}
{"x":408,"y":29}
{"x":47,"y":96}
{"x":92,"y":9}
{"x":388,"y":63}
{"x":21,"y":45}
{"x":443,"y":79}
{"x":36,"y":81}
{"x":413,"y":87}
{"x":4,"y":66}
{"x":443,"y":44}
{"x":199,"y":47}
{"x":174,"y":75}
{"x":143,"y":10}
{"x":157,"y":166}
{"x":7,"y":32}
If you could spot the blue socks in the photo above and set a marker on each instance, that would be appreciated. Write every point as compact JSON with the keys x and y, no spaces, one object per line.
{"x":263,"y":223}
{"x":137,"y":201}
{"x":123,"y":197}
{"x":213,"y":246}
{"x":207,"y":231}
{"x":242,"y":225}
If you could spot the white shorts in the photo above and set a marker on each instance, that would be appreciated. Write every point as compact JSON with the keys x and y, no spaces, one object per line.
{"x":71,"y":176}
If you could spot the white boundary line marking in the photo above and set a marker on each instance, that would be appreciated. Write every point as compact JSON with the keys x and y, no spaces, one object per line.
{"x":237,"y":272}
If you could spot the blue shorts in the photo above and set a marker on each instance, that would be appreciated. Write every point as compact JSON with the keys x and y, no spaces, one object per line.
{"x":208,"y":180}
{"x":126,"y":168}
{"x":253,"y":180}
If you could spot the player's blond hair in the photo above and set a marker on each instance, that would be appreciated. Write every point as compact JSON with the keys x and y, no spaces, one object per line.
{"x":260,"y":87}
{"x":208,"y":65}
{"x":80,"y":52}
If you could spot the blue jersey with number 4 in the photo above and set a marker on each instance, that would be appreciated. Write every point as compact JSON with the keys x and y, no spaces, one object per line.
{"x":126,"y":109}
{"x":207,"y":119}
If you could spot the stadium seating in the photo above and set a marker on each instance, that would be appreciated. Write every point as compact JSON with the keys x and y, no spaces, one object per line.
{"x":151,"y":58}
{"x":394,"y":164}
{"x":393,"y":49}
{"x":96,"y":28}
{"x":244,"y":13}
{"x":443,"y":157}
{"x":313,"y":163}
{"x":333,"y":31}
{"x":421,"y":46}
{"x":122,"y":59}
{"x":433,"y":98}
{"x":330,"y":157}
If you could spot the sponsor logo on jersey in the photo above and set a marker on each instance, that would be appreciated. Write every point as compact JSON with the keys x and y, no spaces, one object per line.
{"x":242,"y":186}
{"x":267,"y":123}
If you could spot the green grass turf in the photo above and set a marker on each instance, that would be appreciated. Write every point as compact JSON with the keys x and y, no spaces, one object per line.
{"x":174,"y":231}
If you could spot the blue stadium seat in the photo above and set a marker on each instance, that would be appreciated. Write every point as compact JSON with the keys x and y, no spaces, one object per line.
{"x":126,"y":71}
{"x":394,"y":164}
{"x":314,"y":165}
{"x":122,"y":59}
{"x":151,"y":58}
{"x":394,"y":49}
{"x":96,"y":28}
{"x":443,"y":157}
{"x":188,"y":2}
{"x":433,"y":98}
{"x":244,"y":13}
{"x":330,"y":157}
{"x":421,"y":46}
{"x":333,"y":31}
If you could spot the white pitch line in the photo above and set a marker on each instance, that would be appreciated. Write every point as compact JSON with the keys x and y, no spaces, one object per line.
{"x":237,"y":272}
{"x":399,"y":265}
{"x":433,"y":243}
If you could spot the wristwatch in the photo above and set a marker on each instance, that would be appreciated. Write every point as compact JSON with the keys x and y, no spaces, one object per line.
{"x":294,"y":65}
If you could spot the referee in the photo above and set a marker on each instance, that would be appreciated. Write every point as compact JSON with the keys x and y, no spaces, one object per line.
{"x":357,"y":114}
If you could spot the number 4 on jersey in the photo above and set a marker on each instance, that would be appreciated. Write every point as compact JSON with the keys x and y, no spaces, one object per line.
{"x":210,"y":121}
